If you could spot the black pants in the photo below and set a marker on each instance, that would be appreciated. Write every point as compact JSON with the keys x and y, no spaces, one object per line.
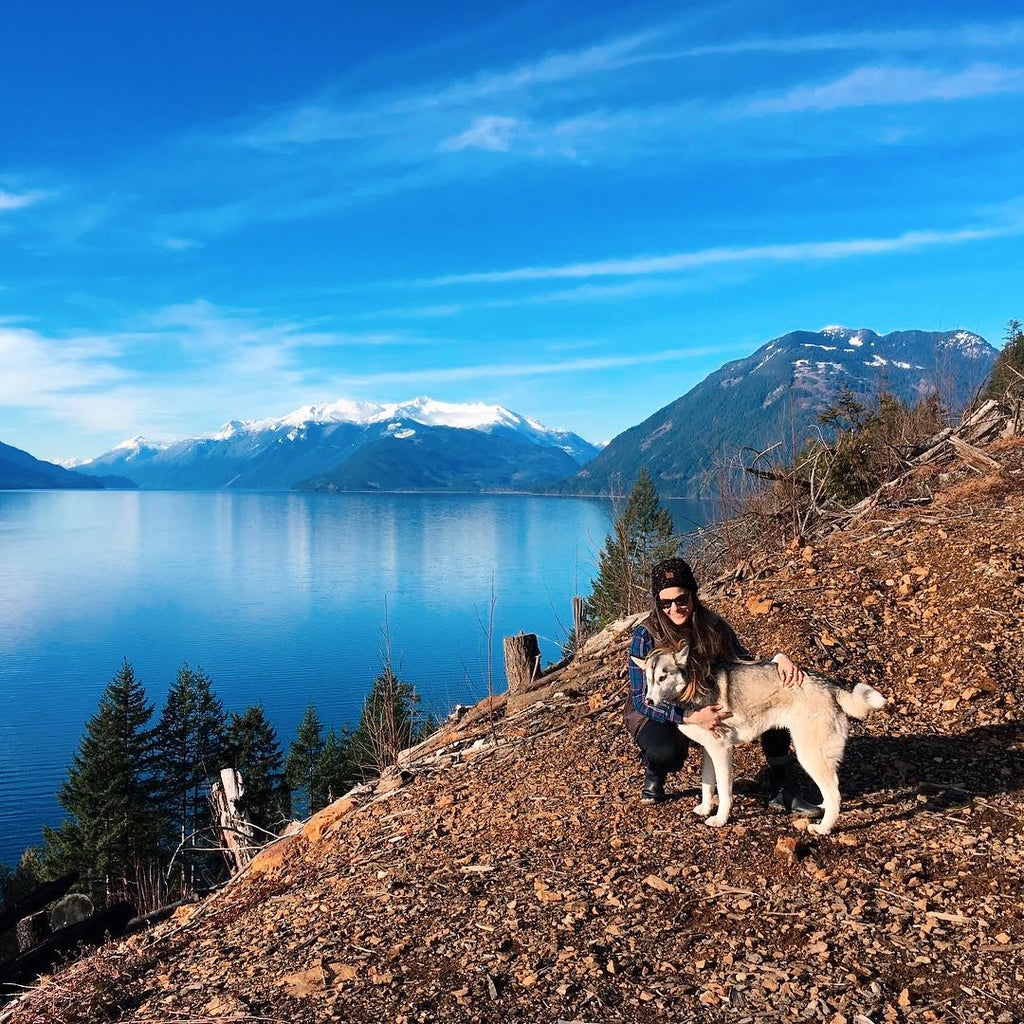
{"x":665,"y":748}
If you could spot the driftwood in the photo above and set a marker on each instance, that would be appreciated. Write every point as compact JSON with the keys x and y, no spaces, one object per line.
{"x":93,"y":930}
{"x":36,"y":900}
{"x":522,"y":661}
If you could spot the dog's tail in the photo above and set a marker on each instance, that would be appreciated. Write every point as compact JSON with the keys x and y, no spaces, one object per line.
{"x":861,"y":702}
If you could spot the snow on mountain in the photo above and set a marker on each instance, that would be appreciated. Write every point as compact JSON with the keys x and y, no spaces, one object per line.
{"x":315,"y":440}
{"x":425,"y":410}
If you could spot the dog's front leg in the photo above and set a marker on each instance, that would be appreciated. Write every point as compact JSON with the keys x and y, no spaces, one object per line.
{"x":707,"y":784}
{"x":716,"y":773}
{"x":719,"y":752}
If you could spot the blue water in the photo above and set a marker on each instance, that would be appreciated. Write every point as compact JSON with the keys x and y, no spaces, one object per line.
{"x":280,"y":598}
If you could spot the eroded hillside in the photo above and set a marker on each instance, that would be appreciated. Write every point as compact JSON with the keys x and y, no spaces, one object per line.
{"x":510,"y":873}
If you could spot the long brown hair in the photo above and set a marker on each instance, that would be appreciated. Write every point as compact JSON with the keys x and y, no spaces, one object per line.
{"x":709,"y":638}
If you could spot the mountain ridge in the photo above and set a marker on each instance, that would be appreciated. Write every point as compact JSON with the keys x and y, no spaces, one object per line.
{"x":425,"y":444}
{"x":21,"y":471}
{"x":774,"y":393}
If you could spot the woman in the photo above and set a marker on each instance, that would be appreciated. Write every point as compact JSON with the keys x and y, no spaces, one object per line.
{"x":677,"y":616}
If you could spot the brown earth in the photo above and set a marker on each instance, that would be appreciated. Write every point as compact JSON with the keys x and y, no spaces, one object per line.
{"x":509,"y":872}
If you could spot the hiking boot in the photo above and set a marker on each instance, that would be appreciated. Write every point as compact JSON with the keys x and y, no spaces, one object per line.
{"x":654,"y":787}
{"x":784,"y":795}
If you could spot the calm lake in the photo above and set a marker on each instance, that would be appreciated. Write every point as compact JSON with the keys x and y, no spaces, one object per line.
{"x":281,"y":598}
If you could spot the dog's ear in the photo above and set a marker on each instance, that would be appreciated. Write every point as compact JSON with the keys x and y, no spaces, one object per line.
{"x":641,"y":663}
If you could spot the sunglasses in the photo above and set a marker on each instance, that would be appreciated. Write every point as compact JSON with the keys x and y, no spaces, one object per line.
{"x":664,"y":603}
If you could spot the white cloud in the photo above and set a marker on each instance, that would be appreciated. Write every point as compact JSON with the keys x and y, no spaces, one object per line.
{"x":427,"y":376}
{"x":492,"y":133}
{"x":977,"y":35}
{"x":781,"y":252}
{"x":893,"y":86}
{"x":181,"y":244}
{"x":19,"y":200}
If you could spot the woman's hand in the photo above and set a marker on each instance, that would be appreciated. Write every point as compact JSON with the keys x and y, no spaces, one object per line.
{"x":788,"y":672}
{"x":709,"y":718}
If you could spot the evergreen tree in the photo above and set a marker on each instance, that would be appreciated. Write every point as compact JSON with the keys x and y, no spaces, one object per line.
{"x":336,"y":769}
{"x":390,"y":722}
{"x":253,"y":749}
{"x":113,"y":824}
{"x":1007,"y":376}
{"x":190,"y":751}
{"x":301,"y":769}
{"x":869,"y":444}
{"x":640,"y":538}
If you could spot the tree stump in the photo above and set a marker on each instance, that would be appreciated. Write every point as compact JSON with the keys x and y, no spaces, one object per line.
{"x":522,"y":661}
{"x":236,"y":835}
{"x":32,"y":930}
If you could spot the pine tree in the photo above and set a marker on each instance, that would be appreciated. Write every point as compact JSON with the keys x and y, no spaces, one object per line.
{"x":190,"y":751}
{"x":1007,"y":376}
{"x":301,"y":767}
{"x":113,"y":824}
{"x":640,"y":537}
{"x":389,"y":723}
{"x":336,"y":769}
{"x":254,"y":750}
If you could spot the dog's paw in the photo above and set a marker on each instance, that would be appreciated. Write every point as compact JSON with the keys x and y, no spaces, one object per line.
{"x":818,"y":830}
{"x":715,"y":821}
{"x":702,"y":810}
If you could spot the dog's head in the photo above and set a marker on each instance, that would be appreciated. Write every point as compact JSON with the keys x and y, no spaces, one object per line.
{"x":666,"y":674}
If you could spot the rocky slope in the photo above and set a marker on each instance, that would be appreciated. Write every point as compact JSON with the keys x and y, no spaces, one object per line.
{"x":508,"y":872}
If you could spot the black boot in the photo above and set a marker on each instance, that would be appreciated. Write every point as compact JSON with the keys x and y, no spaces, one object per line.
{"x":654,"y":786}
{"x":783,"y":791}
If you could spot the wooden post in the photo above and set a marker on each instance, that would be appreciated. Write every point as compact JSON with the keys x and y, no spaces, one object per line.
{"x":522,"y":660}
{"x":579,"y":622}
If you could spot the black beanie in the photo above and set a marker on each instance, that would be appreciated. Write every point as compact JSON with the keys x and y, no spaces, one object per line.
{"x":673,"y":572}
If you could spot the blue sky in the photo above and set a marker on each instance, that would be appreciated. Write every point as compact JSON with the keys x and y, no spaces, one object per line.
{"x":226,"y":210}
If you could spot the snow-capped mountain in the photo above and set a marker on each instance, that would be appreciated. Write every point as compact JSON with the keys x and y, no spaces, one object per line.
{"x":347,"y":445}
{"x":774,"y":394}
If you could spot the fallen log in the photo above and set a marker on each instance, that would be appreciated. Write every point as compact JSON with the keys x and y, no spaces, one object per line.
{"x":92,"y":931}
{"x":975,"y":457}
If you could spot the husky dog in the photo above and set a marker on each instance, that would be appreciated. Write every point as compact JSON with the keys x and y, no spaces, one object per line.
{"x":815,"y":715}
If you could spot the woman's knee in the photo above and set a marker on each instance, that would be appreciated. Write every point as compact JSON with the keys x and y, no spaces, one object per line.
{"x":664,"y":747}
{"x":775,"y":744}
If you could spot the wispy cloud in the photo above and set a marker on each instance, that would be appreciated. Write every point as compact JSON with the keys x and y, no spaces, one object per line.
{"x":676,"y":262}
{"x":893,"y":86}
{"x":428,"y":376}
{"x":326,"y":119}
{"x":219,"y":363}
{"x":491,"y":133}
{"x":19,"y":200}
{"x":998,"y":35}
